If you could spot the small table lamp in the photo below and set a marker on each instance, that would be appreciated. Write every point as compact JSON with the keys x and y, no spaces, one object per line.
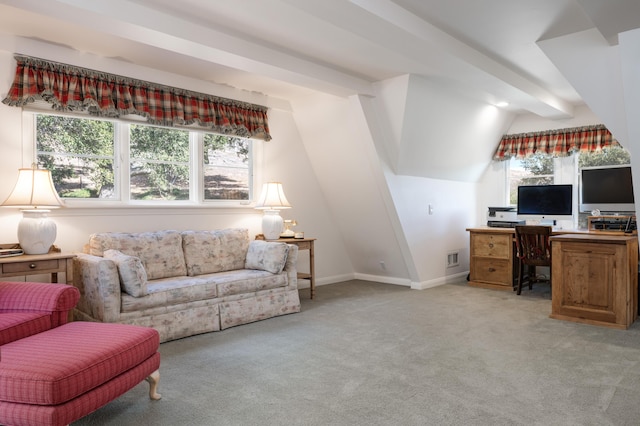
{"x":272,"y":200}
{"x":35,"y":194}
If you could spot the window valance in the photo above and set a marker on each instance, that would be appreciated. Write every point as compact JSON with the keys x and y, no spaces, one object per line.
{"x":559,"y":143}
{"x":71,"y":88}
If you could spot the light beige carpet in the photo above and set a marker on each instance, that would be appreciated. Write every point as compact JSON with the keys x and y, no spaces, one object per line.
{"x":373,"y":354}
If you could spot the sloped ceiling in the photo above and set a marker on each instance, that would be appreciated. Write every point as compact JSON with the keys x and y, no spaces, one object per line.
{"x":480,"y":52}
{"x":287,"y":48}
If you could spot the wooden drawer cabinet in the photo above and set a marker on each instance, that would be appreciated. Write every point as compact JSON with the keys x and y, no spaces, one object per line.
{"x":492,"y":254}
{"x":488,"y":270}
{"x":491,"y":245}
{"x":28,"y":268}
{"x":595,"y":279}
{"x":34,"y":264}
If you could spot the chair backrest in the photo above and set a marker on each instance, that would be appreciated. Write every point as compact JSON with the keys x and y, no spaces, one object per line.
{"x":532,"y":245}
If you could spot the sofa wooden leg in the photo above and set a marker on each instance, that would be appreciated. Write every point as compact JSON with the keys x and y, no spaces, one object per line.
{"x":154,"y":380}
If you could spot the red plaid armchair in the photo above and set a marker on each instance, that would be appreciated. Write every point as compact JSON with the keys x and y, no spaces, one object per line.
{"x":28,"y":308}
{"x":53,"y":372}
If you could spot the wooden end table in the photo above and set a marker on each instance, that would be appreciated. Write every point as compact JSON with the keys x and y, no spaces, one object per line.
{"x":305,"y":244}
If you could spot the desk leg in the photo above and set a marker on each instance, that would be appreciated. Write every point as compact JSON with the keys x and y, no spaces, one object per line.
{"x":312,"y":270}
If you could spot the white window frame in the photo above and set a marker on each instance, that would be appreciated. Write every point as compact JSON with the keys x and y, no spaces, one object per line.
{"x":121,"y":168}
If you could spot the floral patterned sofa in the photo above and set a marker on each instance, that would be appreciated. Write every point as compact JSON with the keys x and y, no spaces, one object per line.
{"x":185,"y":282}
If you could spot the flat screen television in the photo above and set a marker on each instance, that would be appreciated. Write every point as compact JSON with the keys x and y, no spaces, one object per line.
{"x":545,"y":202}
{"x":608,"y":189}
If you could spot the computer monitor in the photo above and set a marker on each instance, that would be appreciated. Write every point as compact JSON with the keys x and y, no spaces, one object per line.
{"x":608,"y":189}
{"x":545,"y":202}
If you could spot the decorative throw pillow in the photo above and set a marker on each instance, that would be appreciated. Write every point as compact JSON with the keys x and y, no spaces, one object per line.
{"x":266,"y":256}
{"x":133,"y":277}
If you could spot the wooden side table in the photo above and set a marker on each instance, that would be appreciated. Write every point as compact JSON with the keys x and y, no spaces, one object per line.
{"x":305,"y":244}
{"x":34,"y":264}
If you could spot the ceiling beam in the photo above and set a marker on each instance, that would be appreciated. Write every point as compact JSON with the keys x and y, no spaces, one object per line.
{"x":151,"y":27}
{"x":418,"y":27}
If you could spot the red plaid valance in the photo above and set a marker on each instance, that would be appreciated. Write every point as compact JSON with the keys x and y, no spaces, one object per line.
{"x":70,"y":88}
{"x":558,"y":143}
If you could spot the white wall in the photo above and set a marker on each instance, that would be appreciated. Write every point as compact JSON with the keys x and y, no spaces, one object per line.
{"x":443,"y":143}
{"x":349,"y":175}
{"x":445,"y":134}
{"x":283,"y":159}
{"x":432,"y":236}
{"x":364,"y":152}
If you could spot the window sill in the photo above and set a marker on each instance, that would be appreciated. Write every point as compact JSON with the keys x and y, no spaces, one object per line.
{"x":154,"y":210}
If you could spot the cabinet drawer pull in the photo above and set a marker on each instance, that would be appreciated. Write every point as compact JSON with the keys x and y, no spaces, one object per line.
{"x":32,"y":265}
{"x":490,"y":245}
{"x":492,"y":269}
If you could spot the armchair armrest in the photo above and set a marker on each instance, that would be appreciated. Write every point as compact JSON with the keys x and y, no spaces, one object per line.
{"x":56,"y":299}
{"x":99,"y":284}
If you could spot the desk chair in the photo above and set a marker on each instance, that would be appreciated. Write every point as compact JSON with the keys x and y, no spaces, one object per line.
{"x":532,"y":249}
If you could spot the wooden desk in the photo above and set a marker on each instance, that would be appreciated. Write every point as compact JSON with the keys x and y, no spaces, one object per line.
{"x":306,"y":244}
{"x":34,"y":264}
{"x":595,"y":279}
{"x":493,"y":263}
{"x":594,"y":273}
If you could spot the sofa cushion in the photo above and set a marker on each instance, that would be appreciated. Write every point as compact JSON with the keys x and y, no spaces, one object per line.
{"x":267,"y":256}
{"x":133,"y":277}
{"x":18,"y":325}
{"x":160,"y":252}
{"x":206,"y":252}
{"x":171,"y":292}
{"x":247,"y":282}
{"x":56,"y":366}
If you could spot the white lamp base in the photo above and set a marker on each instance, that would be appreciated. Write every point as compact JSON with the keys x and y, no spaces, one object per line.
{"x":272,"y":224}
{"x":36,"y":232}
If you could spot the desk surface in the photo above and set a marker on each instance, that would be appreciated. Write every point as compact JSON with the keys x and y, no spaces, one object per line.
{"x":554,"y":231}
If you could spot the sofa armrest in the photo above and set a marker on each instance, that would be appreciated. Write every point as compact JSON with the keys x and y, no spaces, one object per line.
{"x":99,"y":284}
{"x":291,"y":265}
{"x":56,"y":299}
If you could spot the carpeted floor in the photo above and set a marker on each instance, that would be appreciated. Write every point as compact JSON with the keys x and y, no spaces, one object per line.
{"x":365,"y":353}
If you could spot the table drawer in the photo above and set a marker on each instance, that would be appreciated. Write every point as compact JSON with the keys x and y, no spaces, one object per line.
{"x":490,"y":270}
{"x":30,"y":267}
{"x":491,"y":245}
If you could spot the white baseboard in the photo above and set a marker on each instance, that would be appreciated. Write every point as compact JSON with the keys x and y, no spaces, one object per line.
{"x":440,"y":281}
{"x":383,"y":279}
{"x":423,"y":285}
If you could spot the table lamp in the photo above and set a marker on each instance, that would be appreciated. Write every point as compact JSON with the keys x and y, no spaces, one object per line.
{"x":272,"y":200}
{"x":35,"y":194}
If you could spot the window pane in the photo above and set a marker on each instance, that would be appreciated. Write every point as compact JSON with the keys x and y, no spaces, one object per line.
{"x":534,"y":170}
{"x":610,"y":156}
{"x":226,"y":167}
{"x":159,"y":163}
{"x":79,"y":153}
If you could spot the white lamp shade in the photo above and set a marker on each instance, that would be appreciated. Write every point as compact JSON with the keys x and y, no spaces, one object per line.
{"x":34,"y":188}
{"x":34,"y":191}
{"x":272,"y":197}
